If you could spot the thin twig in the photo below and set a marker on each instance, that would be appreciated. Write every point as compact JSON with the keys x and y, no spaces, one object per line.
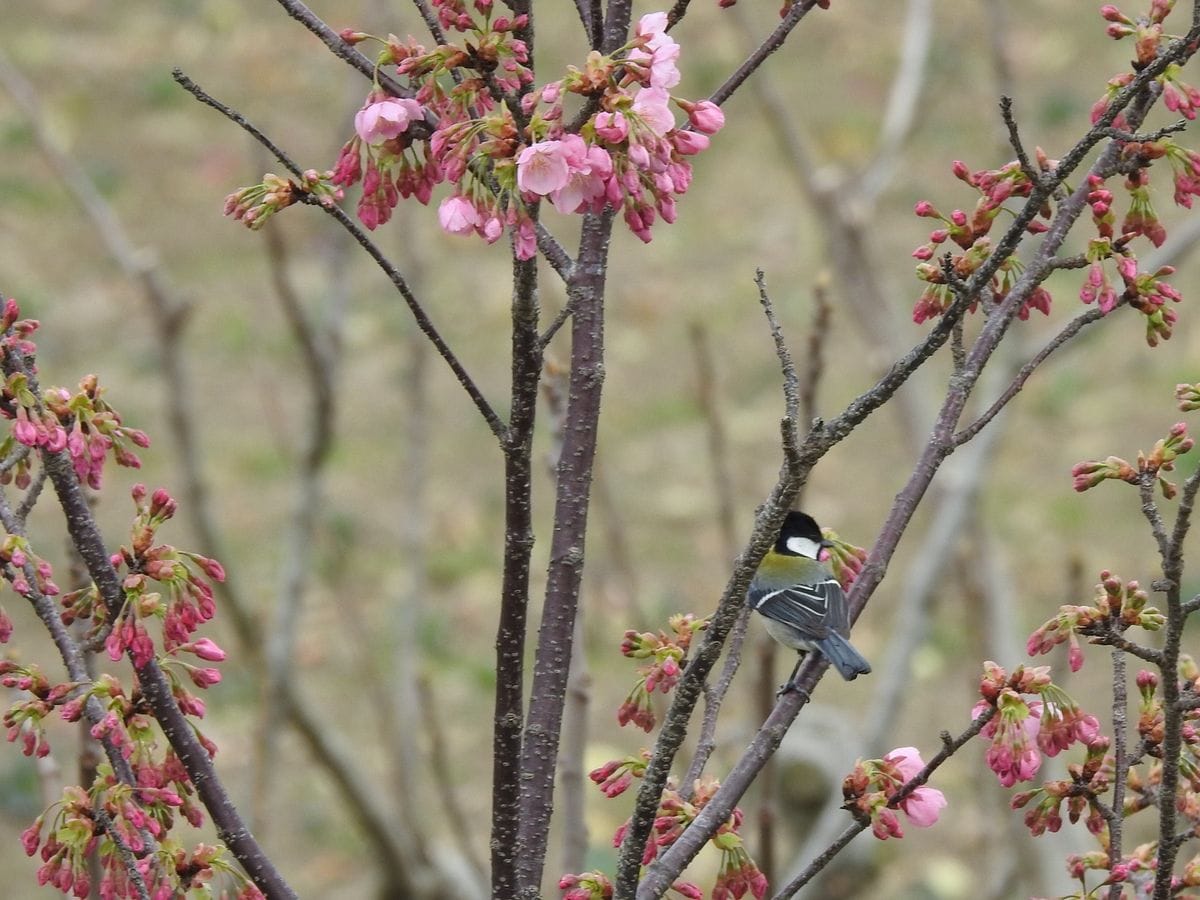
{"x":553,"y":328}
{"x":1120,"y":709}
{"x":1014,"y":139}
{"x":1068,"y":331}
{"x":339,"y":48}
{"x":770,"y":44}
{"x":814,"y":356}
{"x":1173,"y":716}
{"x":1119,"y":642}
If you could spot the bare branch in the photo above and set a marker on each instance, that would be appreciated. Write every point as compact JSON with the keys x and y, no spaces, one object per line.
{"x":1120,"y":725}
{"x":157,"y":690}
{"x":773,"y":42}
{"x":1014,"y":139}
{"x":1069,"y":331}
{"x":339,"y":48}
{"x":540,"y":737}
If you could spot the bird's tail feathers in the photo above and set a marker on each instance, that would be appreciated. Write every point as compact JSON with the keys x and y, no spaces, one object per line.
{"x":848,"y":661}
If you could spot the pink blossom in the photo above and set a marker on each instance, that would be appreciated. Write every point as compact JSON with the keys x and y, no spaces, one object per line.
{"x":525,"y":244}
{"x":589,"y":169}
{"x":31,"y":837}
{"x":923,"y":806}
{"x":458,"y":215}
{"x":611,"y":127}
{"x":1074,"y":654}
{"x":663,"y":50}
{"x":203,"y":678}
{"x":906,"y":761}
{"x":707,"y":117}
{"x":208,"y":650}
{"x":652,"y":106}
{"x":651,"y":25}
{"x":689,"y":143}
{"x":386,"y":119}
{"x":885,"y":824}
{"x":542,"y":167}
{"x":491,"y":229}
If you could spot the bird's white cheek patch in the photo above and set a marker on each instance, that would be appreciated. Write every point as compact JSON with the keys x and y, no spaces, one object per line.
{"x":803,"y":546}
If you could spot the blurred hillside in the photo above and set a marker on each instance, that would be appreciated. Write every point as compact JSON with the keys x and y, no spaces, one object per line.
{"x":413,"y":494}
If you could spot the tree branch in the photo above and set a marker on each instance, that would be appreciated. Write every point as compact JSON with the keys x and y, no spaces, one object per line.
{"x":539,"y":748}
{"x":157,"y":690}
{"x":424,"y":323}
{"x":341,"y":49}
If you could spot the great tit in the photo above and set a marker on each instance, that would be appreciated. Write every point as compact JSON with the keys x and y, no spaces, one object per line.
{"x":802,"y":603}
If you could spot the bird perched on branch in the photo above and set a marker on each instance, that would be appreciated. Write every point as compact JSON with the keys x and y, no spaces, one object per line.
{"x":802,"y":602}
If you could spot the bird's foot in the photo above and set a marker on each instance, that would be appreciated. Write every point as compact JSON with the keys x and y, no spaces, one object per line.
{"x":789,"y":687}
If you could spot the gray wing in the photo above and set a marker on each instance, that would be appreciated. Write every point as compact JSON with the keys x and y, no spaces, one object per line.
{"x":815,"y":609}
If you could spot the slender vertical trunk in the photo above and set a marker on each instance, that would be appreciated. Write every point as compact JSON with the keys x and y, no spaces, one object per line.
{"x":543,"y":724}
{"x":514,"y":591}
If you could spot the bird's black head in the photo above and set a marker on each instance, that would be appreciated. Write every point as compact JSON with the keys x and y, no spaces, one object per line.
{"x":800,"y":536}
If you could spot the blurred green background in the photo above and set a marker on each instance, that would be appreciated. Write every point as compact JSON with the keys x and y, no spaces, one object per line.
{"x":386,"y":520}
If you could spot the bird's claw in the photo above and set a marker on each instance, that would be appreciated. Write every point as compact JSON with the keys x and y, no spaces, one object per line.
{"x":789,"y":687}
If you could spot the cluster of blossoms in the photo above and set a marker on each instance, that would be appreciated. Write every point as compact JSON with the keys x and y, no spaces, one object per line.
{"x":135,"y":813}
{"x":253,"y":205}
{"x":872,"y":792}
{"x":474,"y":121}
{"x":1089,"y":781}
{"x":1116,"y":608}
{"x":1081,"y":791}
{"x":969,"y":234}
{"x":140,"y":815}
{"x":665,"y":654}
{"x":737,"y":873}
{"x":1089,"y":473}
{"x":1033,"y":717}
{"x":1151,"y":729}
{"x":1188,"y":396}
{"x":845,"y":560}
{"x":152,"y":570}
{"x":616,"y":775}
{"x":82,"y":423}
{"x":75,"y":834}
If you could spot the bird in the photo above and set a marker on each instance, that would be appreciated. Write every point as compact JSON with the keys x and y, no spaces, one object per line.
{"x":801,"y":602}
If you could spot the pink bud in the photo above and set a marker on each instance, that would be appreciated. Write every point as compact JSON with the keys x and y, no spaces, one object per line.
{"x":707,"y":117}
{"x":208,"y":650}
{"x":204,"y":678}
